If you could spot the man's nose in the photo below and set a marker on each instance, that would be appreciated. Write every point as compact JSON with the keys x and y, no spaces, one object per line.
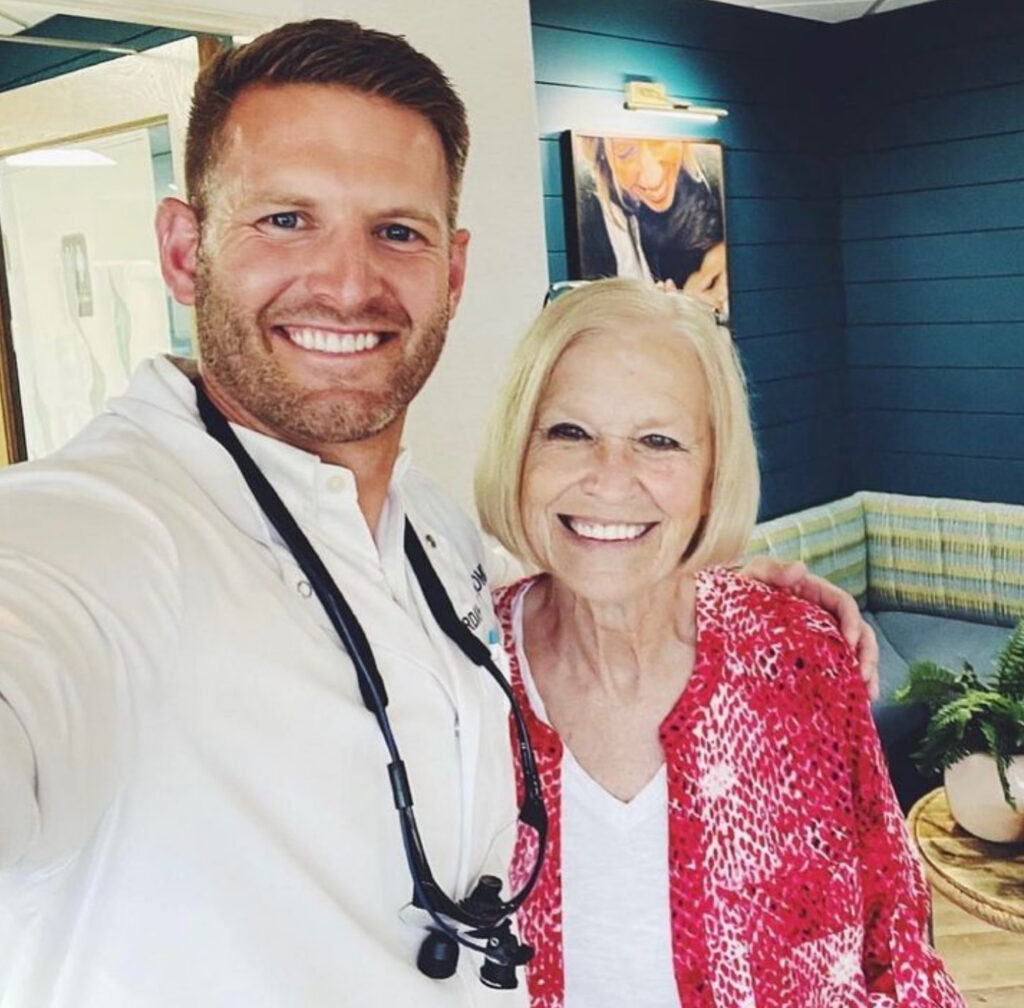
{"x":344,"y":270}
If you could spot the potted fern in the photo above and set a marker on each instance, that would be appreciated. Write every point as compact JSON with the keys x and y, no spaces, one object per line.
{"x":975,"y":736}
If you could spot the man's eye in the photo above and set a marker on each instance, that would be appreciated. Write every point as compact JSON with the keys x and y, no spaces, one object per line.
{"x":567,"y":432}
{"x":398,"y":233}
{"x":287,"y":221}
{"x":660,"y":442}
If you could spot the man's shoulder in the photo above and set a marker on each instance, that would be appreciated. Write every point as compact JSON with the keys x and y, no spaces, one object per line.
{"x":98,"y":505}
{"x":122,"y":442}
{"x":106,"y":452}
{"x":455,"y":548}
{"x":79,"y":469}
{"x":433,"y":511}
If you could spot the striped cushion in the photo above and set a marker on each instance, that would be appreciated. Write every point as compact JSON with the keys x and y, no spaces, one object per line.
{"x":948,"y":557}
{"x":828,"y":538}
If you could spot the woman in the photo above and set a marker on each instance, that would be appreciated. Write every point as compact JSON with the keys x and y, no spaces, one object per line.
{"x":722,"y":829}
{"x":651,"y":208}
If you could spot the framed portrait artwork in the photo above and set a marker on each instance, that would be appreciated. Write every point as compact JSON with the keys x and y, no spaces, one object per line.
{"x":647,"y":207}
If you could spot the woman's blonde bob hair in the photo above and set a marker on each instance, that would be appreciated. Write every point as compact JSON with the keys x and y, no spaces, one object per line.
{"x":612,"y":306}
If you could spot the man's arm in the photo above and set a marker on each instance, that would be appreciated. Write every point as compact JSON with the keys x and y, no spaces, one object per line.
{"x":58,"y":731}
{"x":19,"y":813}
{"x":793,"y":576}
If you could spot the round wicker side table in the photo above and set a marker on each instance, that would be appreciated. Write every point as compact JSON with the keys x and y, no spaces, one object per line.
{"x":985,"y":879}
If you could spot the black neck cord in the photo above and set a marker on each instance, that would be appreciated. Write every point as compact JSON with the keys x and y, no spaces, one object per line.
{"x":428,"y":895}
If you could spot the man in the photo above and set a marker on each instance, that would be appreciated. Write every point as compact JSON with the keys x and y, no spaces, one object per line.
{"x":194,"y":806}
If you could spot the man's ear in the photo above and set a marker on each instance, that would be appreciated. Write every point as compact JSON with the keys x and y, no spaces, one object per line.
{"x":457,"y":250}
{"x":177,"y":235}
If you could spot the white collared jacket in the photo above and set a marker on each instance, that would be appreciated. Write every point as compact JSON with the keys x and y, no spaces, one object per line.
{"x":194,"y":804}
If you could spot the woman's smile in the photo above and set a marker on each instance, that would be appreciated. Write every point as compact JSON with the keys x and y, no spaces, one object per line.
{"x":604,"y":531}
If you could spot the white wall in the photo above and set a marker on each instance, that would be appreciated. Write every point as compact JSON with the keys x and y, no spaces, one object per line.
{"x":485,"y":47}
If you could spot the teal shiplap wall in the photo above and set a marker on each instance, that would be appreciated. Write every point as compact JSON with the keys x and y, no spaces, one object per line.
{"x":931,"y":107}
{"x":781,"y":185}
{"x":874,"y":171}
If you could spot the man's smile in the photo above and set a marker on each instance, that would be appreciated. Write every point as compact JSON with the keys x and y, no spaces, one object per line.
{"x":331,"y":341}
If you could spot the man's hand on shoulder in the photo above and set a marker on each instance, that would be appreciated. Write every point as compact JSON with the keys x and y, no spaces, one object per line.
{"x":794,"y":577}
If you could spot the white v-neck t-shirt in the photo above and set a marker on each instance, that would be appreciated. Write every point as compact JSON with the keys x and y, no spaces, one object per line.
{"x":616,"y":923}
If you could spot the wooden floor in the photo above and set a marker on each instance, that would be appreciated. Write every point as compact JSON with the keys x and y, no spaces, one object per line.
{"x":987,"y":963}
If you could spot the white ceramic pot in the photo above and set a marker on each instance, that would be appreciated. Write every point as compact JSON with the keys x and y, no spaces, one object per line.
{"x":976,"y":798}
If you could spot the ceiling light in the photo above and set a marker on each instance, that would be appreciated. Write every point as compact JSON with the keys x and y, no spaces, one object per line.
{"x":58,"y":157}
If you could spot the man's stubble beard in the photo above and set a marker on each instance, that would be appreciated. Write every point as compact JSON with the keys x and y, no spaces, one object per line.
{"x":263,"y":389}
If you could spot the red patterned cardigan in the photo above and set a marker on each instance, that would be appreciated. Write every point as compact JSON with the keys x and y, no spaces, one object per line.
{"x":791,"y":881}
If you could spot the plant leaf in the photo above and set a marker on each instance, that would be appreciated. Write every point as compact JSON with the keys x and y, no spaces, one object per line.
{"x":978,"y":721}
{"x":997,"y":750}
{"x":967,"y":715}
{"x":1010,"y":665}
{"x":969,"y":678}
{"x":930,"y":684}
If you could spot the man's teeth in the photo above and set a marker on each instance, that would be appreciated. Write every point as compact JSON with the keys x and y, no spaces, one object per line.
{"x":332,"y":342}
{"x":589,"y":530}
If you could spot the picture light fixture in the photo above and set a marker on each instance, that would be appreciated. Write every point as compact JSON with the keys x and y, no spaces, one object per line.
{"x":650,"y":96}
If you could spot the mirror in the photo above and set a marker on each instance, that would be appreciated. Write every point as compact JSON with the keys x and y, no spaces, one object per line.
{"x":84,"y":159}
{"x":86,"y":295}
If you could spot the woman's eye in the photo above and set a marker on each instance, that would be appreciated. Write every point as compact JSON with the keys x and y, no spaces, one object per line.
{"x":660,"y":442}
{"x":566,"y":432}
{"x":287,"y":221}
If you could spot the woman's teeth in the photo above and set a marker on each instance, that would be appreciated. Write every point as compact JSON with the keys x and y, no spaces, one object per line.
{"x":332,"y":342}
{"x":607,"y":533}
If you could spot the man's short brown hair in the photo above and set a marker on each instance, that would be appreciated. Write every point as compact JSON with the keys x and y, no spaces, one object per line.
{"x":330,"y":52}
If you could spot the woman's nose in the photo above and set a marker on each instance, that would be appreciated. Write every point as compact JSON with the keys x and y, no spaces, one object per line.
{"x":650,"y":168}
{"x":611,"y":470}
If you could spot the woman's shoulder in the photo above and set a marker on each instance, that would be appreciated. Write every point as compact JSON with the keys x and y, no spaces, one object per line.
{"x":504,"y":597}
{"x":729,"y":598}
{"x":776,"y":633}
